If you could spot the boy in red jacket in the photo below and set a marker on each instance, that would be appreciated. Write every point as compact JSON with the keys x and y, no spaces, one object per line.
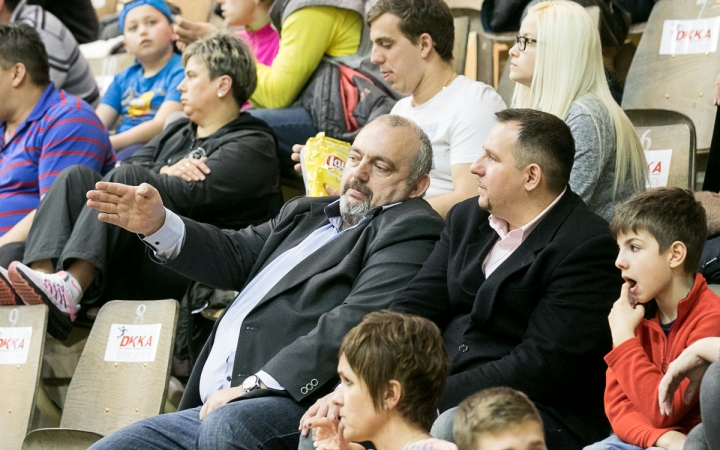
{"x":664,"y":306}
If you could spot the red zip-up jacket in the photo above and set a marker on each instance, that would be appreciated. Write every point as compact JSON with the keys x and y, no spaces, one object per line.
{"x":636,"y":367}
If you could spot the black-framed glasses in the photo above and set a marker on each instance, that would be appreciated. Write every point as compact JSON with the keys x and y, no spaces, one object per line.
{"x":522,"y":41}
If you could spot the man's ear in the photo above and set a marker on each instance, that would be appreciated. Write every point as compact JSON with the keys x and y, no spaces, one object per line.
{"x":533,"y":176}
{"x":421,"y":185}
{"x":19,"y":74}
{"x":426,"y":44}
{"x":677,"y":252}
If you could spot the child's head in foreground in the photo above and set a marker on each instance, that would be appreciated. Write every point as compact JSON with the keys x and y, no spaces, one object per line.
{"x":498,"y":419}
{"x":661,"y":234}
{"x":392,"y":366}
{"x":147,"y":27}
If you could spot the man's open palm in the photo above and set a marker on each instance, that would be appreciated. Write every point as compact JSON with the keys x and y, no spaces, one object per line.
{"x":138,"y":209}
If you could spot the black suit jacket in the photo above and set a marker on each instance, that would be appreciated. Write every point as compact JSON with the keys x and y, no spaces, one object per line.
{"x":294,"y":333}
{"x":538,"y":323}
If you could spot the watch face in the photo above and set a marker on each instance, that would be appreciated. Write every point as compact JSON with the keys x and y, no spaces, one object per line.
{"x":250,"y":383}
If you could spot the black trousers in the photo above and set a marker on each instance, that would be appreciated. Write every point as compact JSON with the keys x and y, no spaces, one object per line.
{"x":712,"y":173}
{"x":66,"y":229}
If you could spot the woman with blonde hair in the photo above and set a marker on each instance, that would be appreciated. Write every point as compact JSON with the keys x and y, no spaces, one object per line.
{"x":558,"y":67}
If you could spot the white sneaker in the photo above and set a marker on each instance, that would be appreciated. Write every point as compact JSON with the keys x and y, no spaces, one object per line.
{"x":7,"y":293}
{"x":57,"y":290}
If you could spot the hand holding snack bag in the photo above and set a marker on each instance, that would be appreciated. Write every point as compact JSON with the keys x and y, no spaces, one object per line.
{"x":323,"y":159}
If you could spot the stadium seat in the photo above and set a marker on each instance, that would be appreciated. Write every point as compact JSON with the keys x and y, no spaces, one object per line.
{"x":668,"y":130}
{"x":677,"y":82}
{"x":122,"y":375}
{"x":22,"y":338}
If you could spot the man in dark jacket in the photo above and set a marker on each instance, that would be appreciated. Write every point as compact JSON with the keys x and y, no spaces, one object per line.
{"x":521,"y":283}
{"x":305,"y":279}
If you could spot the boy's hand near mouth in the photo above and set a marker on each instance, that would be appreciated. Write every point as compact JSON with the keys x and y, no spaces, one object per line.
{"x":625,"y":316}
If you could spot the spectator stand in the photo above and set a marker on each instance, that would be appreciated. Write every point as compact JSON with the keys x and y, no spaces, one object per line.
{"x":22,"y":337}
{"x":676,"y":65}
{"x":475,"y":50}
{"x":668,"y":138}
{"x":122,"y":375}
{"x":105,"y":7}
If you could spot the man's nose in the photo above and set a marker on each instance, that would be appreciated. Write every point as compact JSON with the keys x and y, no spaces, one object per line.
{"x":359,"y":172}
{"x":477,"y":168}
{"x":375,"y":56}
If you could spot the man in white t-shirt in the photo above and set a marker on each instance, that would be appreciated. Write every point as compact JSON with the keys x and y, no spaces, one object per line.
{"x":412,"y":45}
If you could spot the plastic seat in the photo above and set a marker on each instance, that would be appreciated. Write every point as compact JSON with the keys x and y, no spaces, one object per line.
{"x":20,"y":361}
{"x":112,"y":390}
{"x":681,"y":82}
{"x":668,"y":130}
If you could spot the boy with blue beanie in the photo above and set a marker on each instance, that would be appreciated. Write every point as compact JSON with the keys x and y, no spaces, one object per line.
{"x":145,"y":93}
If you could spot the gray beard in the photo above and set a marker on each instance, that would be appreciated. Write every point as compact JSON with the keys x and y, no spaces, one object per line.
{"x":352,"y":212}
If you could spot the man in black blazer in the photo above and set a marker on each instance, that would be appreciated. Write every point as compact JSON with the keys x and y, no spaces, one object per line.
{"x":522,"y":280}
{"x":521,"y":283}
{"x":305,"y":279}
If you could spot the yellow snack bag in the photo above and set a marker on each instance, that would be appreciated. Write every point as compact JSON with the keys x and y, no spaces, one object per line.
{"x":322,"y":160}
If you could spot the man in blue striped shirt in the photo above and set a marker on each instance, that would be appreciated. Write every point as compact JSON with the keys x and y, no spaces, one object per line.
{"x":43,"y":131}
{"x":68,"y":68}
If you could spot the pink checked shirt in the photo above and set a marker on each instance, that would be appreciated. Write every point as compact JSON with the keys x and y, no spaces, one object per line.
{"x":510,"y":241}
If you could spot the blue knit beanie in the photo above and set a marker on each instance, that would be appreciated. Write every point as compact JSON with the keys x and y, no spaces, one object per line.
{"x":157,"y":4}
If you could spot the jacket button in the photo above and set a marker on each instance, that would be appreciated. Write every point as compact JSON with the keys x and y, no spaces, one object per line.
{"x":463,"y":348}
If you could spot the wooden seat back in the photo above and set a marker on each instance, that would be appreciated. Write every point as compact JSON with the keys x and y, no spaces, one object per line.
{"x":22,"y":339}
{"x":677,"y":82}
{"x":109,"y":392}
{"x":660,"y":130}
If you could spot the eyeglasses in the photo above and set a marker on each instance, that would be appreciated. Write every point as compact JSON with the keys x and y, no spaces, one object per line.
{"x":522,"y":41}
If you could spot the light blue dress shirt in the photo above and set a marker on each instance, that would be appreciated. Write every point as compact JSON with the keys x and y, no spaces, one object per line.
{"x":217,"y":371}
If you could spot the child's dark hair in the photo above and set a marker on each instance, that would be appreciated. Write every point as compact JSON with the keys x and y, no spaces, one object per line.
{"x":669,"y":215}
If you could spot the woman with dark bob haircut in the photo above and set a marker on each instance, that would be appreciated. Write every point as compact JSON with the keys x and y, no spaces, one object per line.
{"x":392,"y":370}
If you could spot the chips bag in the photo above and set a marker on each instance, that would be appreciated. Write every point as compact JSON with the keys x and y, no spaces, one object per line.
{"x":322,"y":160}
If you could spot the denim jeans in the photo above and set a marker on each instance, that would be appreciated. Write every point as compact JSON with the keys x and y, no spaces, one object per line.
{"x":259,"y":423}
{"x":291,"y":126}
{"x":614,"y":443}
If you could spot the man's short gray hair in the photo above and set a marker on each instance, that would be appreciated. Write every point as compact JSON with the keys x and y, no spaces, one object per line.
{"x":225,"y":54}
{"x":422,"y":164}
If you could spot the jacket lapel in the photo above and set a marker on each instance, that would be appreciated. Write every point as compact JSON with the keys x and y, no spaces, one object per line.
{"x":285,"y":237}
{"x":327,"y":256}
{"x":523,"y":257}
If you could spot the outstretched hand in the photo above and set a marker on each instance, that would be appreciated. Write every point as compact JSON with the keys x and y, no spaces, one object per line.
{"x":138,"y":209}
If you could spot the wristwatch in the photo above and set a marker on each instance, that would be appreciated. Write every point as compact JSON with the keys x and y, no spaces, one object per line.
{"x":251,"y":383}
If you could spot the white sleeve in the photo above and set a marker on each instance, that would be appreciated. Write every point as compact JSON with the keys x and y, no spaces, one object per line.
{"x":169,"y":239}
{"x":473,"y":119}
{"x":269,"y":381}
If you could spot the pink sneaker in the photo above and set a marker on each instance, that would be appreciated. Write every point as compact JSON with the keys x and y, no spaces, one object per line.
{"x":55,"y":290}
{"x":7,"y":293}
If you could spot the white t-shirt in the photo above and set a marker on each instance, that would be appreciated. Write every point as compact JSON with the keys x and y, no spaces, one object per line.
{"x":457,"y":121}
